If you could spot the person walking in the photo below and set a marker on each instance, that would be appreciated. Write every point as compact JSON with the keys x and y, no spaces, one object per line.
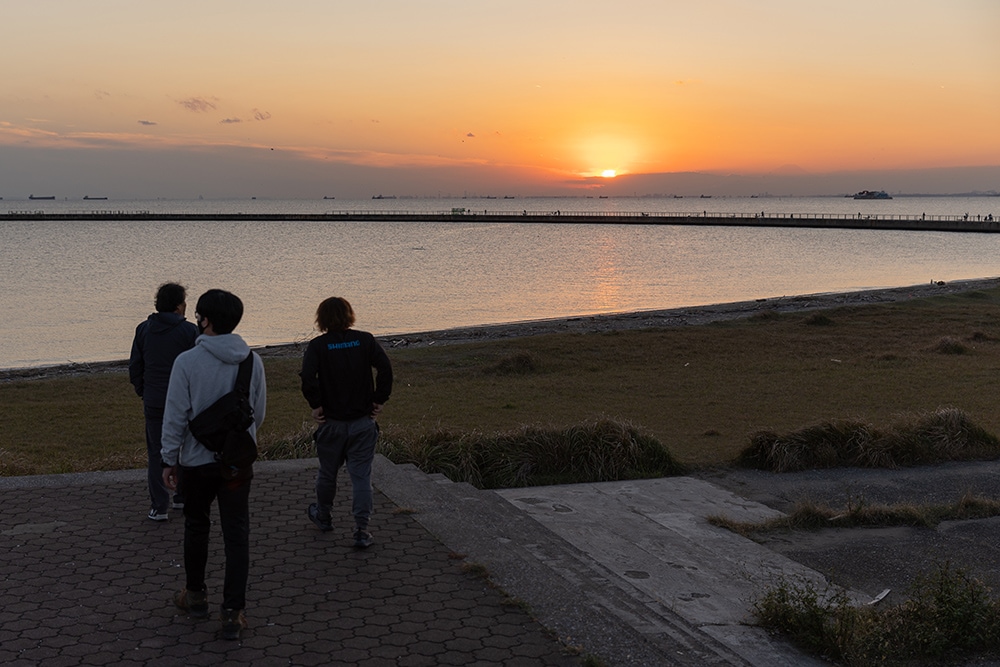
{"x":345,"y":399}
{"x":158,"y":340}
{"x":200,"y":377}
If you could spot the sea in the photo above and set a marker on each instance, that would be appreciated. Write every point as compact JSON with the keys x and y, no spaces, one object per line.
{"x":74,"y":291}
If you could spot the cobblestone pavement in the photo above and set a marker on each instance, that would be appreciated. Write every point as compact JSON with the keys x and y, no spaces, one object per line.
{"x":87,"y":579}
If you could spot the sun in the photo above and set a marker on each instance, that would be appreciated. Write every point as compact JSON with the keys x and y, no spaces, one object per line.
{"x":608,"y":173}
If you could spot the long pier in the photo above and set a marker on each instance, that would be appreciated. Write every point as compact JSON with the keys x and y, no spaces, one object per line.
{"x":936,"y":223}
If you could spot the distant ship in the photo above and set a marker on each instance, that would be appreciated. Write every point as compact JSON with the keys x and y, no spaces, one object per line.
{"x":872,"y":194}
{"x":383,"y":197}
{"x":34,"y":197}
{"x":94,"y":198}
{"x":325,"y":197}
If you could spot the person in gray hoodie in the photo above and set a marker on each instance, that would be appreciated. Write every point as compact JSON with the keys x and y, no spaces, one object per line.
{"x":199,"y":377}
{"x":158,"y":340}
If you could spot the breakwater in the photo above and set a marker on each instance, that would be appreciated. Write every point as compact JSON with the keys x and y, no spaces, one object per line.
{"x":937,"y":223}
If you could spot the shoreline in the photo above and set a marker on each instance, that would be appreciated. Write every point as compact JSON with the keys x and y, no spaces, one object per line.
{"x":644,"y":319}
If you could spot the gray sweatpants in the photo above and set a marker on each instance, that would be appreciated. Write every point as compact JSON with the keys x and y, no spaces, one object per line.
{"x":353,"y":442}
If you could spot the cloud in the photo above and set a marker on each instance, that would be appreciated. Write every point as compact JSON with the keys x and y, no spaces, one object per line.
{"x":230,"y":121}
{"x":197,"y":104}
{"x":101,"y":94}
{"x":147,"y":122}
{"x":261,"y":115}
{"x":470,"y":135}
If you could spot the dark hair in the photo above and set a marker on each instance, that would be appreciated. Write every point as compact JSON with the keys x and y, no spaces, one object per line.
{"x":223,"y":309}
{"x":334,"y":314}
{"x":169,"y":297}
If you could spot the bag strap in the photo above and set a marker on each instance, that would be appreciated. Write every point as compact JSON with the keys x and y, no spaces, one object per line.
{"x":243,"y":375}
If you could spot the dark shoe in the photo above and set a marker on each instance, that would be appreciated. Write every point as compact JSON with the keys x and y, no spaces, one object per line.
{"x":324,"y":525}
{"x":363,"y":539}
{"x":234,"y":621}
{"x":193,"y":602}
{"x":155,"y":515}
{"x":177,"y":504}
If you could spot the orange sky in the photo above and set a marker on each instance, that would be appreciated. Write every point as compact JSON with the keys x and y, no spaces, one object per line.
{"x":538,"y":93}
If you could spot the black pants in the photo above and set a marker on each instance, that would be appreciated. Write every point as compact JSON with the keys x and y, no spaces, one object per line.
{"x":203,"y":485}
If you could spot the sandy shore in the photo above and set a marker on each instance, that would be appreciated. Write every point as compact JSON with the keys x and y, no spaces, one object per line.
{"x":672,"y":317}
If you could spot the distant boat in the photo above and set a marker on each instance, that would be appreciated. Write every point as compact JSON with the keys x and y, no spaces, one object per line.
{"x":325,"y":197}
{"x":34,"y":197}
{"x":872,"y":194}
{"x":706,"y":196}
{"x":383,"y":197}
{"x":94,"y":198}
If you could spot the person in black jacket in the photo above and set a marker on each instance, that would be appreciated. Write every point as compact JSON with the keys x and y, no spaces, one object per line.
{"x":158,"y":341}
{"x":345,"y":400}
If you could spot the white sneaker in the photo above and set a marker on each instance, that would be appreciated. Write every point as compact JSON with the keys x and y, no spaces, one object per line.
{"x":157,"y":516}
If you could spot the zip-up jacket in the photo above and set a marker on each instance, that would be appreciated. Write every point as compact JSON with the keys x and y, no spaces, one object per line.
{"x":158,"y":340}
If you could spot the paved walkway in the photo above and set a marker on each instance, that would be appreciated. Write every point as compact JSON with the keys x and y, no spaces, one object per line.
{"x":627,"y":572}
{"x":88,"y":580}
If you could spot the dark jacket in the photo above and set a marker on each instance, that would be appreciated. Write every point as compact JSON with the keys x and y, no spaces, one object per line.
{"x":157,"y":343}
{"x":337,"y":374}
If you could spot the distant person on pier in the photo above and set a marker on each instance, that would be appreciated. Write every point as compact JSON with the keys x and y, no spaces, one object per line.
{"x":345,"y":399}
{"x":158,"y":340}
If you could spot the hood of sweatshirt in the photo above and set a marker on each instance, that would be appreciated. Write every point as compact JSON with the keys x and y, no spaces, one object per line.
{"x":227,"y":348}
{"x":162,"y":322}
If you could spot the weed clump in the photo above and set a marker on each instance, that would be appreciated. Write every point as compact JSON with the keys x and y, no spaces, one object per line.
{"x":519,"y":363}
{"x":599,"y":451}
{"x":948,"y":614}
{"x":947,"y":434}
{"x":817,"y":320}
{"x":949,"y":345}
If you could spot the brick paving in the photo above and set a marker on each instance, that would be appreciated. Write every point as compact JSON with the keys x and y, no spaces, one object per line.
{"x":88,"y":580}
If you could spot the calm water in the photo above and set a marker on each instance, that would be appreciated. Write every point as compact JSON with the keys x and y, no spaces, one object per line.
{"x":75,"y":291}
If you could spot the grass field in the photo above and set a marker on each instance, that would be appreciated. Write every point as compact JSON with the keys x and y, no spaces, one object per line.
{"x":701,"y":391}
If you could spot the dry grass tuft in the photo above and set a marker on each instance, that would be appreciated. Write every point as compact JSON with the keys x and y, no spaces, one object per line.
{"x":944,"y":435}
{"x":817,"y":320}
{"x":808,"y":515}
{"x":949,"y":615}
{"x":598,"y":451}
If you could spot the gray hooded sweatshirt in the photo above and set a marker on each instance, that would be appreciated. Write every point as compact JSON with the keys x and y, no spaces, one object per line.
{"x":200,"y":377}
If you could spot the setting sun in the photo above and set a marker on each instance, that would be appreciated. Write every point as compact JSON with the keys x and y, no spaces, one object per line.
{"x":608,"y":173}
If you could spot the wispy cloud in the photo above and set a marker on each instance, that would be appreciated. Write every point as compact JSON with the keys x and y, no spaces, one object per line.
{"x":261,"y":115}
{"x":198,"y":104}
{"x":470,"y":135}
{"x":101,"y":94}
{"x":147,"y":122}
{"x":230,"y":121}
